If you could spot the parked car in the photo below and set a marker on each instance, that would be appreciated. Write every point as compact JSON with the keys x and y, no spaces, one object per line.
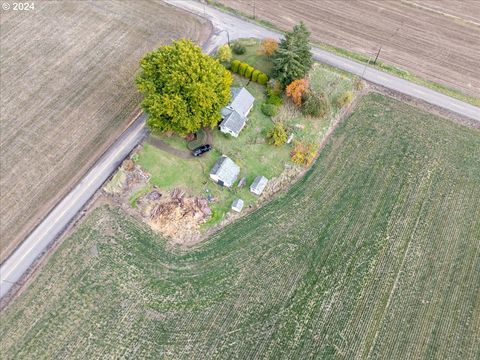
{"x":201,"y":150}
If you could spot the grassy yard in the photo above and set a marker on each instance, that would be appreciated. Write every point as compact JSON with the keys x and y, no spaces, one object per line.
{"x":250,"y":150}
{"x":254,"y":56}
{"x":373,"y":254}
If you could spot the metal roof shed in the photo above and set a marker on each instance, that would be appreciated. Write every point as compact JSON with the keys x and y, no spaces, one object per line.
{"x":225,"y":171}
{"x":237,"y":205}
{"x":258,"y":185}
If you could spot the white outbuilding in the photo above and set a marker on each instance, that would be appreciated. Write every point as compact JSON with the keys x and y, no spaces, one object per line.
{"x":225,"y":171}
{"x":237,"y":205}
{"x":258,"y":185}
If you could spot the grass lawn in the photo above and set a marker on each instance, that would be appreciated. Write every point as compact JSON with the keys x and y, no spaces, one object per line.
{"x":374,"y":254}
{"x":168,"y":171}
{"x":250,"y":150}
{"x":253,"y":56}
{"x":331,"y":81}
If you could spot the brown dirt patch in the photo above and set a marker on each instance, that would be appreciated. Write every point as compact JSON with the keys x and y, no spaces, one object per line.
{"x":176,"y":215}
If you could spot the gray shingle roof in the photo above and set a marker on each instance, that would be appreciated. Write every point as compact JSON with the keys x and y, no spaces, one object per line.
{"x":258,"y":184}
{"x":241,"y":102}
{"x":226,"y":170}
{"x":234,"y":122}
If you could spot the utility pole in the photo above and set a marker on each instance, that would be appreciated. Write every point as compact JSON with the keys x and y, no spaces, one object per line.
{"x":376,"y":57}
{"x":380,"y":49}
{"x":254,"y":9}
{"x":228,"y":35}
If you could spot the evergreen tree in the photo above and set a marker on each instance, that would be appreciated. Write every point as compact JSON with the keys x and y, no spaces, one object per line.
{"x":293,"y":58}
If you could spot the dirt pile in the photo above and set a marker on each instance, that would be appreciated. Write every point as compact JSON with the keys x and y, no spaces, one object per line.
{"x":176,"y":215}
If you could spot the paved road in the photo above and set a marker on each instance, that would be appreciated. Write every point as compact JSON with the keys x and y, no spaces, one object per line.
{"x":53,"y":225}
{"x":12,"y":269}
{"x":238,"y":28}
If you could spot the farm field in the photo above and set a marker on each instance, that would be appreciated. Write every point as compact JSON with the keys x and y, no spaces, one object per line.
{"x":67,"y":89}
{"x":373,"y":254}
{"x":436,"y":40}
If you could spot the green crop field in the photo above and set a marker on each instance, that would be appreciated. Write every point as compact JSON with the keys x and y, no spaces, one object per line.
{"x":375,"y":253}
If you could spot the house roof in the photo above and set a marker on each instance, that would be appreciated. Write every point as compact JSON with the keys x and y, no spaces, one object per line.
{"x":241,"y":102}
{"x":226,"y":170}
{"x":259,"y":184}
{"x":234,"y":122}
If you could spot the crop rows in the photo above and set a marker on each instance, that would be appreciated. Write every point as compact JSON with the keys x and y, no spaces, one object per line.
{"x":373,"y":254}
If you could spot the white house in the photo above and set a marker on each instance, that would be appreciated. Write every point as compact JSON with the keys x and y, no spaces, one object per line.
{"x":235,"y":114}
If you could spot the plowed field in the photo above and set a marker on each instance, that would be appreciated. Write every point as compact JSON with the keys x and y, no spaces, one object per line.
{"x":67,"y":88}
{"x":437,"y":40}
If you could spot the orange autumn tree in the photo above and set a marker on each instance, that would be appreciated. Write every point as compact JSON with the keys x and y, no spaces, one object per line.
{"x":296,"y":90}
{"x":269,"y":46}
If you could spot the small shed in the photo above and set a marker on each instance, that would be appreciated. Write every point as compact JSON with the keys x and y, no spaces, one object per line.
{"x":242,"y":182}
{"x":237,"y":205}
{"x":258,"y":185}
{"x":225,"y":171}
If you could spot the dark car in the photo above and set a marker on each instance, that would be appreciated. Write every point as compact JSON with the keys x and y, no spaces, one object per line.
{"x":201,"y":150}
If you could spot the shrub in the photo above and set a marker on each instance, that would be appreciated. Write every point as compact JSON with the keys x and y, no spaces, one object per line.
{"x":275,"y":85}
{"x":344,"y":99}
{"x":238,"y":48}
{"x":274,"y":94}
{"x":255,"y":75}
{"x":316,"y":104}
{"x":269,"y":46}
{"x":274,"y":99}
{"x":269,"y":109}
{"x":242,"y":68}
{"x":262,"y":79}
{"x":272,"y":90}
{"x":128,"y":165}
{"x":248,"y":72}
{"x":296,"y":90}
{"x":224,"y":53}
{"x":234,"y":65}
{"x":358,"y":84}
{"x":277,"y":136}
{"x":303,"y":154}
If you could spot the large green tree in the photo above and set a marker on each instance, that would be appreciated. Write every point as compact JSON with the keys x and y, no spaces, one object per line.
{"x":183,"y":88}
{"x":293,"y":58}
